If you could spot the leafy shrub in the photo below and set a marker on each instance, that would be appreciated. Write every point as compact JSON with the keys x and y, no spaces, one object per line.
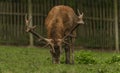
{"x":113,"y":59}
{"x":85,"y":57}
{"x":103,"y":70}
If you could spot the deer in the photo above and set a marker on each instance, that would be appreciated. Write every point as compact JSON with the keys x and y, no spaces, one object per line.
{"x":61,"y":23}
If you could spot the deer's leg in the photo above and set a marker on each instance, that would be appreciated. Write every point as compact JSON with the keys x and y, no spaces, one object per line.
{"x":67,"y":51}
{"x":67,"y":54}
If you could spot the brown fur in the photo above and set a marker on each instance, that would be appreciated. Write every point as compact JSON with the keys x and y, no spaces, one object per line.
{"x":58,"y":23}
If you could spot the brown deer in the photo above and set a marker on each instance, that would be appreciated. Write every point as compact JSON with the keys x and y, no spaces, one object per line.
{"x":60,"y":23}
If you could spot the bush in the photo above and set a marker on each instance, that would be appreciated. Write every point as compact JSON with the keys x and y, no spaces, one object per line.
{"x":113,"y":59}
{"x":85,"y":57}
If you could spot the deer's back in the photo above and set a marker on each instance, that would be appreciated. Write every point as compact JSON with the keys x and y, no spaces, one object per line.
{"x":59,"y":21}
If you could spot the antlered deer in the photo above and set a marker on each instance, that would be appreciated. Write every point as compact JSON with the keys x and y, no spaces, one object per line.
{"x":60,"y":23}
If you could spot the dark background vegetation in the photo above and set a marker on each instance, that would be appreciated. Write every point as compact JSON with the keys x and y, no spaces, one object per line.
{"x":98,"y":31}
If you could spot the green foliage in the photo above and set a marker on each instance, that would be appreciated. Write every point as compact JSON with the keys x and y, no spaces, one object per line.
{"x":82,"y":57}
{"x":38,"y":60}
{"x":85,"y":57}
{"x":114,"y":59}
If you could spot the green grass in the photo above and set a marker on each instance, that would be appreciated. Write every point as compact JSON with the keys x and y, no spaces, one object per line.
{"x":38,"y":60}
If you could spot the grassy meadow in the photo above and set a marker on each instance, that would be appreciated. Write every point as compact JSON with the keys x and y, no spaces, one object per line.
{"x":38,"y":60}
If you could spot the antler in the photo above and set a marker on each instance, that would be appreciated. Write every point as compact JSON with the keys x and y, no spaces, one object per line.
{"x":78,"y":12}
{"x":68,"y":34}
{"x":80,"y":17}
{"x":80,"y":21}
{"x":74,"y":27}
{"x":31,"y":30}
